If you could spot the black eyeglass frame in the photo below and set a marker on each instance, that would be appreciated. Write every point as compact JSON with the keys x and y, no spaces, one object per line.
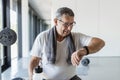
{"x":67,"y":24}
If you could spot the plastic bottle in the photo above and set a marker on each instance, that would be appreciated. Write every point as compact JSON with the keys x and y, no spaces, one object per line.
{"x":38,"y":74}
{"x":83,"y":68}
{"x":85,"y":62}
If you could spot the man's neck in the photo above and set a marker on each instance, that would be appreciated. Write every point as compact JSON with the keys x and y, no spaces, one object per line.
{"x":60,"y":38}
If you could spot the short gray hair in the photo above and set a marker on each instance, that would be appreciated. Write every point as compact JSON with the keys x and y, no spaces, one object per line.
{"x":64,"y":10}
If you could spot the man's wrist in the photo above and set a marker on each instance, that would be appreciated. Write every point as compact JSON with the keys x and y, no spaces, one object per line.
{"x":87,"y":50}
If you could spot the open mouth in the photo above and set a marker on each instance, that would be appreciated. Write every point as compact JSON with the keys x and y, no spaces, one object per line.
{"x":66,"y":32}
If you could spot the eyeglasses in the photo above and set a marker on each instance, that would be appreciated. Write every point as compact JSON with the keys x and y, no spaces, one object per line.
{"x":67,"y":24}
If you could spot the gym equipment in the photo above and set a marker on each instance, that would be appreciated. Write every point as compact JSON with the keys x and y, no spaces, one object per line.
{"x":7,"y":38}
{"x":18,"y":79}
{"x":85,"y":62}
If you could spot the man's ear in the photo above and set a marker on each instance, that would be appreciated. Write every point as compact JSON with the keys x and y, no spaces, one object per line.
{"x":55,"y":21}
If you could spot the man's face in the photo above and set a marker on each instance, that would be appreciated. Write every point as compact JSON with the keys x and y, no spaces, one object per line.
{"x":64,"y":25}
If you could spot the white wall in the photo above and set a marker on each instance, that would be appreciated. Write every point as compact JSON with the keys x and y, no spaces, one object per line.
{"x":110,"y":26}
{"x":100,"y":18}
{"x":25,"y":28}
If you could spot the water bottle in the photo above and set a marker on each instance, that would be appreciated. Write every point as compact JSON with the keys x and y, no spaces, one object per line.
{"x":85,"y":62}
{"x":83,"y":68}
{"x":38,"y":74}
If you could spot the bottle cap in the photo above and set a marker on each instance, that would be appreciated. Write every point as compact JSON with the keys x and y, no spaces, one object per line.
{"x":38,"y":69}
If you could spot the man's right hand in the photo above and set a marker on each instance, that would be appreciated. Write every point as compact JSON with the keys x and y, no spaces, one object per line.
{"x":77,"y":56}
{"x":33,"y":63}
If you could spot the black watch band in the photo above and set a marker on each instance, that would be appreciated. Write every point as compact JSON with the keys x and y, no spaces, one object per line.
{"x":86,"y":49}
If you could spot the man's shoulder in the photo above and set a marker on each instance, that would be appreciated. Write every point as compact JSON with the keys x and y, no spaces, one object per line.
{"x":76,"y":33}
{"x":42,"y":36}
{"x":43,"y":33}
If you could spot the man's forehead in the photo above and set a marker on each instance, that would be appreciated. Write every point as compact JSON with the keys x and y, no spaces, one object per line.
{"x":67,"y":17}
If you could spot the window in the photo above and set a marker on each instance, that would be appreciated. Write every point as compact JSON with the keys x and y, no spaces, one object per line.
{"x":14,"y":26}
{"x":1,"y":26}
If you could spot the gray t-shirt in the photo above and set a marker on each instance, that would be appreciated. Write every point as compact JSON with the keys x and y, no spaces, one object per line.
{"x":61,"y":70}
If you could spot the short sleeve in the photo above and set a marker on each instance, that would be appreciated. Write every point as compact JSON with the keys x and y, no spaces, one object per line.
{"x":85,"y":39}
{"x":82,"y":39}
{"x":37,"y":47}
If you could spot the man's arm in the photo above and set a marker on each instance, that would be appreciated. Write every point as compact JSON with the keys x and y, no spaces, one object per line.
{"x":95,"y":45}
{"x":33,"y":63}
